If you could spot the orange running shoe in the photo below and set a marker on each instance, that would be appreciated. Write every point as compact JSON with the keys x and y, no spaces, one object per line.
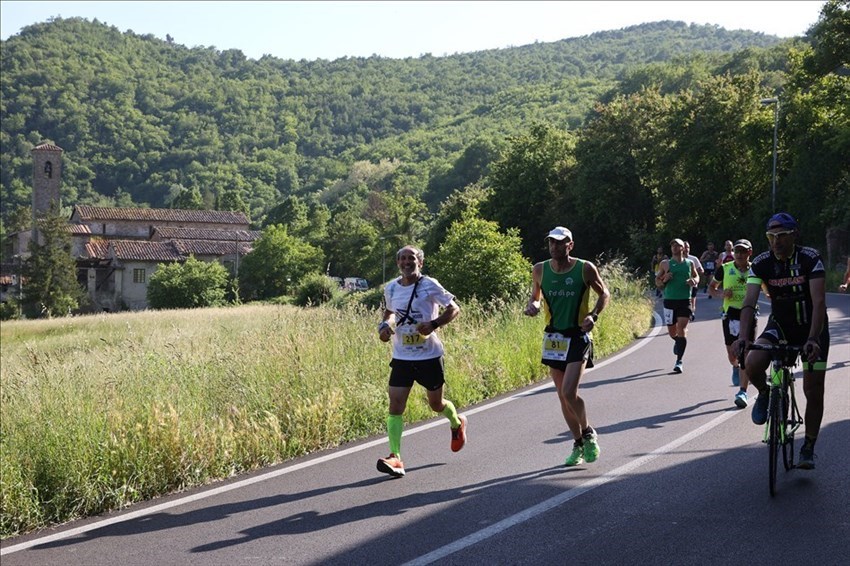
{"x":459,"y":435}
{"x":391,"y":465}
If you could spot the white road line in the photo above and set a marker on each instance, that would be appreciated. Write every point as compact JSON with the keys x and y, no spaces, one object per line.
{"x":553,"y":502}
{"x":300,"y":466}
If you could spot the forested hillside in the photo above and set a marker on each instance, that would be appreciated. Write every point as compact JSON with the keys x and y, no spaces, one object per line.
{"x":630,"y":137}
{"x":140,"y":117}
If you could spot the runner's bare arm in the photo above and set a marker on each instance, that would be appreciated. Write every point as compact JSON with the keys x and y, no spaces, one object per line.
{"x":533,"y":306}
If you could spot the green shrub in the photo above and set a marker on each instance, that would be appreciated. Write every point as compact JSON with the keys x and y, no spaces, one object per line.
{"x":476,"y":260}
{"x":316,"y":290}
{"x":187,"y":285}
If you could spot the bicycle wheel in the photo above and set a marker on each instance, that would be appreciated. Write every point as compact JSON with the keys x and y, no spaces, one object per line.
{"x":787,"y":413}
{"x":773,"y":422}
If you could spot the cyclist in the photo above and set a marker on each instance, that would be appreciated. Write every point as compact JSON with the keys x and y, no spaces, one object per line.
{"x":795,"y":280}
{"x":730,"y":284}
{"x":562,"y":287}
{"x":413,"y":303}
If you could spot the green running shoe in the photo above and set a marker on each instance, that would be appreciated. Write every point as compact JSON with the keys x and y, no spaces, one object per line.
{"x":576,"y":457}
{"x":591,"y":446}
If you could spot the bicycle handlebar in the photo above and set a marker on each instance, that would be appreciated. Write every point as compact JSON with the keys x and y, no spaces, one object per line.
{"x":777,"y":348}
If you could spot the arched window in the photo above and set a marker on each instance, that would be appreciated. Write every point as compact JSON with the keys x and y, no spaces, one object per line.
{"x":48,"y":169}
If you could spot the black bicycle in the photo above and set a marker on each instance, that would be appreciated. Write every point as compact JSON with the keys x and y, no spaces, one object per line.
{"x":783,"y":416}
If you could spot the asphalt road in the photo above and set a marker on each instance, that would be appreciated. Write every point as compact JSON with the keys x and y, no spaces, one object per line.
{"x":682,"y":479}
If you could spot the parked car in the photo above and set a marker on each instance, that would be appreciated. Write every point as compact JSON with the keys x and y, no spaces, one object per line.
{"x":355,"y":284}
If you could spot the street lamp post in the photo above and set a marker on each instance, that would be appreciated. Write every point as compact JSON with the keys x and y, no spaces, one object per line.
{"x":775,"y":102}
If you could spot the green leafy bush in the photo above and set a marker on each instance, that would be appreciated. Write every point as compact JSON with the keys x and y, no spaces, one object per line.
{"x":476,"y":260}
{"x":315,"y":290}
{"x":191,"y":284}
{"x":279,"y":262}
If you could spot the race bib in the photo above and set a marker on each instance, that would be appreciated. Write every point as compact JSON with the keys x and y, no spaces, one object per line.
{"x":410,"y":339}
{"x":668,"y":317}
{"x":709,"y":265}
{"x":555,"y":346}
{"x":734,"y":327}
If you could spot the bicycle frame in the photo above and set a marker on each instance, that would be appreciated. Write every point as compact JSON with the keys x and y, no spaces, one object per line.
{"x":782,"y":386}
{"x":783,"y":417}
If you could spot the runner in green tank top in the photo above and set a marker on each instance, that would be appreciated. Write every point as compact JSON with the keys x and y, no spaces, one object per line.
{"x":563,"y":313}
{"x":563,"y":284}
{"x":676,"y":277}
{"x":730,"y":283}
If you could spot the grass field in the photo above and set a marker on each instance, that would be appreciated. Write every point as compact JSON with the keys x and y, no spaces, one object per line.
{"x":102,"y":411}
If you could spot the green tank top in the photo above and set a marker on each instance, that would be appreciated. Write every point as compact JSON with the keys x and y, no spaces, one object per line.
{"x":736,"y":280}
{"x":565,"y":296}
{"x":678,"y":288}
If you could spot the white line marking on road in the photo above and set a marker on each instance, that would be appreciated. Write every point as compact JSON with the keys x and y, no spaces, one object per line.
{"x":300,"y":466}
{"x":553,"y":502}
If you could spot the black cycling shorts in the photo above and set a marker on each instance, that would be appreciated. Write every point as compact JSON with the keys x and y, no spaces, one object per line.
{"x":798,"y":335}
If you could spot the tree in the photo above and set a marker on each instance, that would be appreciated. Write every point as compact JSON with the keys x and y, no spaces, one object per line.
{"x":291,"y":212}
{"x":231,"y":200}
{"x":830,"y":38}
{"x":188,"y":199}
{"x":476,"y":260}
{"x":610,"y":172}
{"x":353,"y":247}
{"x":529,"y":184}
{"x":188,"y":285}
{"x":277,"y":264}
{"x":50,"y":273}
{"x":468,"y":200}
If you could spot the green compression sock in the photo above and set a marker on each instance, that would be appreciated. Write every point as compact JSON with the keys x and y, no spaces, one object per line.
{"x":395,"y":426}
{"x":451,"y":413}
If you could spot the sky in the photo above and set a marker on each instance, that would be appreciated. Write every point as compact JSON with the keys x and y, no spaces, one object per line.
{"x":331,"y":29}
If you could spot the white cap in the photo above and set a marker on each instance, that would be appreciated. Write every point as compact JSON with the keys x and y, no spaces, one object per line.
{"x":559,"y":233}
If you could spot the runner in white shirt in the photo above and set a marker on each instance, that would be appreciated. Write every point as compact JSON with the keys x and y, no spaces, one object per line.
{"x":410,"y":319}
{"x":700,"y":272}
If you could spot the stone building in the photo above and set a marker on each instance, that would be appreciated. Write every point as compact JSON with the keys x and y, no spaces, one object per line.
{"x":118,"y":249}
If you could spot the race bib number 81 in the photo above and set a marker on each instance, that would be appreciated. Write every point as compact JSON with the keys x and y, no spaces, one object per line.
{"x":555,"y":346}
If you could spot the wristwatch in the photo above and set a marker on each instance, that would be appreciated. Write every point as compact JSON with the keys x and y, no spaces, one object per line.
{"x":594,"y":316}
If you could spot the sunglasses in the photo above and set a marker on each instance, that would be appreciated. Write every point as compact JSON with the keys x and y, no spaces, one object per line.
{"x":773,"y":235}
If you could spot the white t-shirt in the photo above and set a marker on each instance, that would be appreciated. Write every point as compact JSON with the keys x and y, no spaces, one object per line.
{"x":430,"y":296}
{"x":697,"y":264}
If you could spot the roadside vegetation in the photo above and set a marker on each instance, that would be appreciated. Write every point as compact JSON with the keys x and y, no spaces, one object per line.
{"x":99,"y":412}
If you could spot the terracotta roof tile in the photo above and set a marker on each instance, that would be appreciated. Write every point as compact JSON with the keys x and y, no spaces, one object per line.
{"x":210,"y":247}
{"x":47,"y":147}
{"x":172,"y":233}
{"x":95,"y":213}
{"x":97,"y":249}
{"x":133,"y":250}
{"x":79,"y":229}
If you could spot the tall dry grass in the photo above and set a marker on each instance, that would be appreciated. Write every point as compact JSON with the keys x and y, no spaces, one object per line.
{"x":102,"y":411}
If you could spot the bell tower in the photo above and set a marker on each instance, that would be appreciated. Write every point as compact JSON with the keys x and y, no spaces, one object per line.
{"x":46,"y":174}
